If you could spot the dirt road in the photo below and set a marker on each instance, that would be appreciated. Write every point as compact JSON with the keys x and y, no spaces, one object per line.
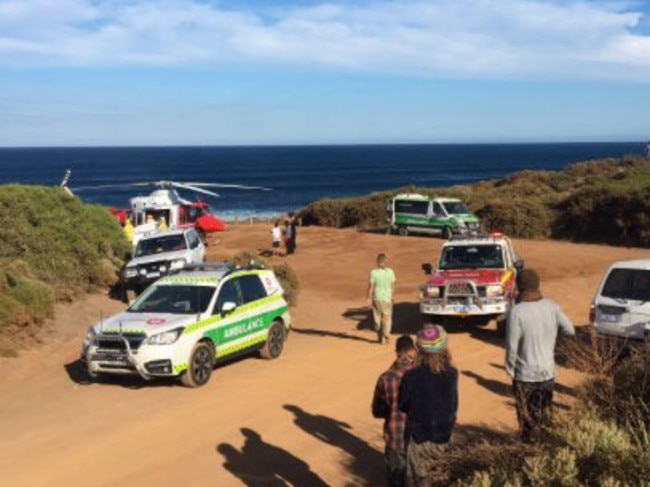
{"x":303,"y":419}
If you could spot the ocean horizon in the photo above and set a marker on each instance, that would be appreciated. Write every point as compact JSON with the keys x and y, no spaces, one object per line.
{"x":297,"y":175}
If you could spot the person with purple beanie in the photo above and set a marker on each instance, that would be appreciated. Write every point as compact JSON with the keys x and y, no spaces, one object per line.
{"x":429,"y":397}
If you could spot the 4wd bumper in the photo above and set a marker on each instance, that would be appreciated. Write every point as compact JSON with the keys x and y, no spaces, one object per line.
{"x":438,"y":308}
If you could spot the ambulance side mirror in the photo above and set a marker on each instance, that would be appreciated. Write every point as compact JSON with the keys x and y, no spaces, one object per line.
{"x":519,"y":265}
{"x":427,"y":268}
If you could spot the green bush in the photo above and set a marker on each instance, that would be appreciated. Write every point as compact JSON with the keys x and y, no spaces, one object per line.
{"x":596,"y":201}
{"x":53,"y":247}
{"x":284,"y":272}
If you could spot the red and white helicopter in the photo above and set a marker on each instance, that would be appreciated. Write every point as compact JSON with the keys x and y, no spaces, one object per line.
{"x":165,"y":204}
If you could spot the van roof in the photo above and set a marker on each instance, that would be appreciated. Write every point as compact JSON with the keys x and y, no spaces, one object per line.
{"x":421,"y":197}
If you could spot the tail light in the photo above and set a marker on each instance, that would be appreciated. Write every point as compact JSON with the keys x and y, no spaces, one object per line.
{"x":592,"y":313}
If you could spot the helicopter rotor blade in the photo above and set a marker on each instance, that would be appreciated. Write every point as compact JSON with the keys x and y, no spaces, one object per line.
{"x":194,"y":188}
{"x":102,"y":186}
{"x":218,"y":185}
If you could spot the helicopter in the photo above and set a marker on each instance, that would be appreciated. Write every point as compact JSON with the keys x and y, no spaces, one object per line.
{"x":165,"y":206}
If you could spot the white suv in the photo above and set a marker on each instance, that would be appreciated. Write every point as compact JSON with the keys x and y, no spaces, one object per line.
{"x":159,"y":253}
{"x":621,"y":307}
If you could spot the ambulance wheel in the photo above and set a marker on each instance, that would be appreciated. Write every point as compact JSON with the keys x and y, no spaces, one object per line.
{"x":403,"y":231}
{"x":200,"y":367}
{"x":275,"y":341}
{"x":447,"y":233}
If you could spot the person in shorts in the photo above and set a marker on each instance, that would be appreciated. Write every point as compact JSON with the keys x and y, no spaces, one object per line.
{"x":276,"y":235}
{"x":380,"y":296}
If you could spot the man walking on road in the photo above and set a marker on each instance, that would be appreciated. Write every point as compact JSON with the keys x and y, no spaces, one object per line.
{"x":385,"y":405}
{"x":531,"y":334}
{"x":380,"y":295}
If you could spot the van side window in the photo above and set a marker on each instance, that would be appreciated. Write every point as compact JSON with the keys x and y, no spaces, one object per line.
{"x":251,"y":288}
{"x":437,"y":209}
{"x":412,"y":207}
{"x":229,"y":292}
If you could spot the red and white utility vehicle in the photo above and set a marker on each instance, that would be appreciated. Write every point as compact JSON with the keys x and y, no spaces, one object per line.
{"x":475,"y":277}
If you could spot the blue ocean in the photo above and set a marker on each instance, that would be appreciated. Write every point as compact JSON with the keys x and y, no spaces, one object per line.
{"x":297,"y":175}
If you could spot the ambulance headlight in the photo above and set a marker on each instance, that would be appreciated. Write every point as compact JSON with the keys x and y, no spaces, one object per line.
{"x":165,"y":338}
{"x":177,"y":264}
{"x":89,"y":336}
{"x":495,"y":291}
{"x":130,"y":272}
{"x":143,"y":272}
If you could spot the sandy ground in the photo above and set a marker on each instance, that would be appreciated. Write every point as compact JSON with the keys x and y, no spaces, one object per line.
{"x":303,"y":419}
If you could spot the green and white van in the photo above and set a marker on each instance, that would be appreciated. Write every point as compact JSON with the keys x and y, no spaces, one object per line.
{"x":415,"y":213}
{"x":184,"y":323}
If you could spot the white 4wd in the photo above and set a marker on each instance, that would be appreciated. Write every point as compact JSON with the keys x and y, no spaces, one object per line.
{"x":621,"y":306}
{"x":183,"y":323}
{"x":159,"y":253}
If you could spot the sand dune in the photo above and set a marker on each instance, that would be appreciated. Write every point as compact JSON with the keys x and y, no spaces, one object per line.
{"x":303,"y":419}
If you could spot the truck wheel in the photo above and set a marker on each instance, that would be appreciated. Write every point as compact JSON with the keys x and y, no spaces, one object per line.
{"x":403,"y":230}
{"x":275,"y":341}
{"x":200,"y":367}
{"x":501,"y":326}
{"x":447,"y":233}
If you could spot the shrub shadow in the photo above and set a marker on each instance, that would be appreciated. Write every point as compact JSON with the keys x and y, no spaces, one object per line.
{"x":366,"y":464}
{"x":262,"y":464}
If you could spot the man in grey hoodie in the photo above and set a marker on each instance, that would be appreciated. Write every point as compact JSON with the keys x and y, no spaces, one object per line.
{"x":532,"y":330}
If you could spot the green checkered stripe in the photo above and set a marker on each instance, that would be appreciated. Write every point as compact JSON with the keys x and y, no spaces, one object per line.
{"x":242,"y":344}
{"x":214,"y":320}
{"x":178,"y":368}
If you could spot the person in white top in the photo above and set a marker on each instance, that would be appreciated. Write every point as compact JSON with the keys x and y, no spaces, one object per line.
{"x":276,"y":234}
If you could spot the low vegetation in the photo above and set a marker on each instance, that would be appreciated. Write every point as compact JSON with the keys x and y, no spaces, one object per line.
{"x":52,"y":248}
{"x":596,"y":201}
{"x":283,"y":271}
{"x":603,"y":440}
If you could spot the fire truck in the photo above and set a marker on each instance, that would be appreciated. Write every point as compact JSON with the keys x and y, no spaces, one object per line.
{"x":475,"y":277}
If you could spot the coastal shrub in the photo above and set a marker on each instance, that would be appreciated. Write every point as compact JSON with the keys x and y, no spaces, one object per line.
{"x":594,"y":201}
{"x":284,"y":272}
{"x":53,"y":247}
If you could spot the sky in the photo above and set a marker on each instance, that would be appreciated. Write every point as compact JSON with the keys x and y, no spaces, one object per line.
{"x":269,"y":72}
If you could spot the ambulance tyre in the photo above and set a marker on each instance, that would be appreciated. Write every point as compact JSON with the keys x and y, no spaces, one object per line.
{"x":403,"y":230}
{"x":275,"y":341}
{"x":447,"y":233}
{"x":200,"y":366}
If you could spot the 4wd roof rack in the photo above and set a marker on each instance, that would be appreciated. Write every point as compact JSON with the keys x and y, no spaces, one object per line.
{"x":206,"y":266}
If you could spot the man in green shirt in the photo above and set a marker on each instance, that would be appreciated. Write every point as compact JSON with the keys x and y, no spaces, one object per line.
{"x":380,"y":295}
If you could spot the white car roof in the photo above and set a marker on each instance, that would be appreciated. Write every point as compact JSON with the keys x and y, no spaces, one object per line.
{"x":632,"y":264}
{"x":165,"y":233}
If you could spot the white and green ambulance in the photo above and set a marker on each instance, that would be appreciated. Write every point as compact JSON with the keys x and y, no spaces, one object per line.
{"x":184,"y":323}
{"x":415,"y":213}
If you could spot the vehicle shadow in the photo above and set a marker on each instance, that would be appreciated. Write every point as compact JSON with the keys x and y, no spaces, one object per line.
{"x":332,"y":334}
{"x":365,"y":463}
{"x":262,"y":464}
{"x":406,"y":318}
{"x":77,"y":373}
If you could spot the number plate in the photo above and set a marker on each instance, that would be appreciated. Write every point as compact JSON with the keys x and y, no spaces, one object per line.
{"x":153,"y":274}
{"x":110,"y":359}
{"x":462,"y":309}
{"x":610,"y":318}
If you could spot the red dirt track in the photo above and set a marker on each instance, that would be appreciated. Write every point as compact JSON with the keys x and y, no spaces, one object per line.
{"x":303,"y":419}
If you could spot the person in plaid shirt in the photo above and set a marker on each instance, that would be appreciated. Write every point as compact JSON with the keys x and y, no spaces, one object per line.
{"x":385,"y":406}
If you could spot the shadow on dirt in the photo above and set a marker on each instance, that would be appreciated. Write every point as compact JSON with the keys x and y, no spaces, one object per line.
{"x":406,"y":318}
{"x":332,"y":334}
{"x":259,"y":463}
{"x":365,"y":463}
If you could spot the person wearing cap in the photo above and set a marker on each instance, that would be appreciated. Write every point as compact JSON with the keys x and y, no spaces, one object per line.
{"x":380,"y":295}
{"x":385,"y":406}
{"x":531,"y":334}
{"x":428,"y":396}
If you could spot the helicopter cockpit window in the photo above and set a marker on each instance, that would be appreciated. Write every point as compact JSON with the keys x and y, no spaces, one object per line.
{"x":167,"y":243}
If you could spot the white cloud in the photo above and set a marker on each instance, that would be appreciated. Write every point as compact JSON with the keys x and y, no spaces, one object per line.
{"x":440,"y":38}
